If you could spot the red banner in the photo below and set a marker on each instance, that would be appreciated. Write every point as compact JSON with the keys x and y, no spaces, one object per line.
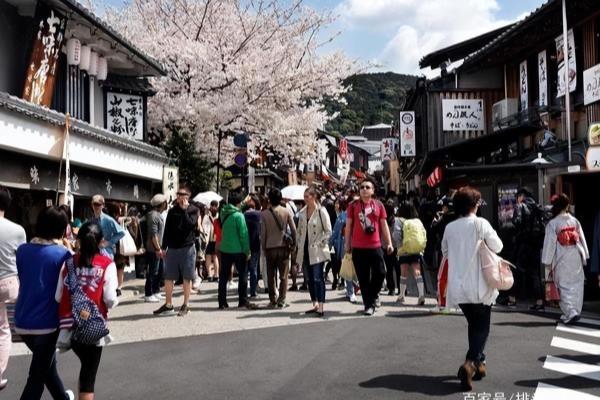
{"x":435,"y":178}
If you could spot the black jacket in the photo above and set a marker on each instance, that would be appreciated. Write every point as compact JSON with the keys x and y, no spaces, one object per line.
{"x":180,"y":227}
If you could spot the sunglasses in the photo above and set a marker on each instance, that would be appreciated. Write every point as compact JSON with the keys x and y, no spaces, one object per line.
{"x":366,"y":187}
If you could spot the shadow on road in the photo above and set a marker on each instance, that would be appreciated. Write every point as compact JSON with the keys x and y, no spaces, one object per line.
{"x":427,"y":385}
{"x":526,"y":324}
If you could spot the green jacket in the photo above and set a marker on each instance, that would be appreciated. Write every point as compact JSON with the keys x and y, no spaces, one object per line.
{"x":235,"y":232}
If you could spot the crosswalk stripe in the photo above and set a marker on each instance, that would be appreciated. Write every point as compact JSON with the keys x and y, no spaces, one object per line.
{"x":576,"y":345}
{"x":549,"y":392}
{"x":573,"y":368}
{"x":579,"y":330}
{"x":590,"y":321}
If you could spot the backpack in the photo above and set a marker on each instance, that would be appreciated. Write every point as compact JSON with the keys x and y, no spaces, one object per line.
{"x":414,"y":237}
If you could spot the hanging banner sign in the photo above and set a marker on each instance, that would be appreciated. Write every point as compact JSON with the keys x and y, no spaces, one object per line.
{"x":463,"y":115}
{"x":523,"y":86}
{"x":591,"y":85}
{"x":543,"y":78}
{"x":389,"y":147}
{"x":170,"y":182}
{"x":408,"y":143}
{"x":560,"y":60}
{"x":125,"y":115}
{"x":343,"y":149}
{"x":41,"y":70}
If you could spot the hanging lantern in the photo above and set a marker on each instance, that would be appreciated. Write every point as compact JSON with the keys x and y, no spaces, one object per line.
{"x":102,"y":68}
{"x":84,"y":59}
{"x":73,"y":51}
{"x":93,"y":70}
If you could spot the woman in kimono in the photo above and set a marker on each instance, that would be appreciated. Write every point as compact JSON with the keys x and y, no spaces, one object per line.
{"x":565,"y":250}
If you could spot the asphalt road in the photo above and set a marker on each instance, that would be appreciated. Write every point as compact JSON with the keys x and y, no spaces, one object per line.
{"x":405,"y":355}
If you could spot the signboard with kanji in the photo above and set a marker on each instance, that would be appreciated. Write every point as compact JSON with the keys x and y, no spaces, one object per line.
{"x":463,"y":115}
{"x":170,"y":182}
{"x":125,"y":115}
{"x":408,"y":141}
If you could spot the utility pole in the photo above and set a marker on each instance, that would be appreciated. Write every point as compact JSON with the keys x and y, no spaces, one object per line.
{"x":566,"y":69}
{"x":220,"y":137}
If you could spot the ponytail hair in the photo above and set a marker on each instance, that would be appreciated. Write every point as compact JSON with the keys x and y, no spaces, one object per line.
{"x":89,"y":236}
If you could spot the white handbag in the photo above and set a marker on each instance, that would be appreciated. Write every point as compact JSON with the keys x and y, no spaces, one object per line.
{"x":127,"y":245}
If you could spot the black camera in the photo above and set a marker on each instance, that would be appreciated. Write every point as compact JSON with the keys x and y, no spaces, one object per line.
{"x":370,"y":229}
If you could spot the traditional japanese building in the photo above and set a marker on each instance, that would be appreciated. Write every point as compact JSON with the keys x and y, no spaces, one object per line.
{"x":58,"y":58}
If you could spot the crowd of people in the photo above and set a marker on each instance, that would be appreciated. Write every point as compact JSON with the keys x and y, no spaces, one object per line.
{"x":66,"y":278}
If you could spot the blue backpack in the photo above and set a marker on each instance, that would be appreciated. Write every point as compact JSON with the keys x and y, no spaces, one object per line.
{"x":90,"y":325}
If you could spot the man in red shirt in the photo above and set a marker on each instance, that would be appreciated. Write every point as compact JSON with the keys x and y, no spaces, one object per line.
{"x":365,"y":227}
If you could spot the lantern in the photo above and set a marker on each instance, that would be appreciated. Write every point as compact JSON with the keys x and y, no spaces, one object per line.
{"x":73,"y":51}
{"x":84,"y":63}
{"x":93,"y":70}
{"x":102,"y":68}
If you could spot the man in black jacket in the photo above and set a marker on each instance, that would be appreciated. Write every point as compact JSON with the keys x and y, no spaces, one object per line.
{"x":178,"y":243}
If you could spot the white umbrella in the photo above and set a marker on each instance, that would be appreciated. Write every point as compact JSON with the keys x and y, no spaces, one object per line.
{"x":206,"y":197}
{"x":294,"y":192}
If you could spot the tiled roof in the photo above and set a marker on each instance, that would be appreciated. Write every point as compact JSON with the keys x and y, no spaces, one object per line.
{"x":80,"y":127}
{"x":127,"y":83}
{"x":77,"y":7}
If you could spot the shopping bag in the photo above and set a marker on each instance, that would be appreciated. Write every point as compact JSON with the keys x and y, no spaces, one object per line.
{"x":442,"y":282}
{"x":127,"y":245}
{"x":552,"y":293}
{"x":347,"y":270}
{"x":10,"y":312}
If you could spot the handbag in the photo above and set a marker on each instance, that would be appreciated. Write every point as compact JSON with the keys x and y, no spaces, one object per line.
{"x":127,"y":246}
{"x":551,"y":290}
{"x":90,"y":325}
{"x":288,"y":239}
{"x":347,"y":270}
{"x":442,"y":282}
{"x":495,"y":269}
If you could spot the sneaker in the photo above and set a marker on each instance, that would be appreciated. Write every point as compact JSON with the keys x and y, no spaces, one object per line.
{"x":282,"y":305}
{"x":196,"y":283}
{"x":293,"y":288}
{"x":159,"y":296}
{"x":70,"y":394}
{"x":369,"y":311}
{"x":119,"y":292}
{"x":421,"y":301}
{"x":536,"y":307}
{"x":248,"y":305}
{"x":377,"y":302}
{"x":232,"y":285}
{"x":151,"y":299}
{"x":223,"y":306}
{"x":183,"y":311}
{"x":400,"y":300}
{"x":3,"y":383}
{"x":352,"y":299}
{"x":165,"y":310}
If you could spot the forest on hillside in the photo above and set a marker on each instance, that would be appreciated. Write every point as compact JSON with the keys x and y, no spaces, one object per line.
{"x":372,"y":99}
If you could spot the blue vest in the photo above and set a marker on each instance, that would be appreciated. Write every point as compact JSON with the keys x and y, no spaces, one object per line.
{"x":39,"y":267}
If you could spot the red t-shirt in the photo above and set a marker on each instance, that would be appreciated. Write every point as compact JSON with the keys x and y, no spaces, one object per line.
{"x":375,"y":212}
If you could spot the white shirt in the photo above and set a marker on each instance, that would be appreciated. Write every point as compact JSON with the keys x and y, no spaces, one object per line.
{"x":465,"y":280}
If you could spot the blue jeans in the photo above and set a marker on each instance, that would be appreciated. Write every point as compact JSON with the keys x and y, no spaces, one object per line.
{"x":253,"y":271}
{"x":152,"y":274}
{"x":316,"y":282}
{"x":42,"y":370}
{"x":349,"y":288}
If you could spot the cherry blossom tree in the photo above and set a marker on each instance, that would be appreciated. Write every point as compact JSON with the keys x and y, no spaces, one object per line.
{"x":249,"y":65}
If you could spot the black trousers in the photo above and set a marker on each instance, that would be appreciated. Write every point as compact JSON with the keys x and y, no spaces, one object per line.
{"x":478,"y":317}
{"x":529,"y":275}
{"x":392,"y":266}
{"x":370,"y":270}
{"x":42,"y":371}
{"x":227,"y":260}
{"x":89,"y":355}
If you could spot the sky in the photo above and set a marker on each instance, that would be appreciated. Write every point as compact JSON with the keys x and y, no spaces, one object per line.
{"x":393,"y":35}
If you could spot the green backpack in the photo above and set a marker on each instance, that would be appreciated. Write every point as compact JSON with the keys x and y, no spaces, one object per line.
{"x":414,"y":238}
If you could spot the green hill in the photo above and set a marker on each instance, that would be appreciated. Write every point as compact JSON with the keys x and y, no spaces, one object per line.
{"x":373,"y":98}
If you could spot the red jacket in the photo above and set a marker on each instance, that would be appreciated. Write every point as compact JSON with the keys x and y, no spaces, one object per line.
{"x":92,"y":280}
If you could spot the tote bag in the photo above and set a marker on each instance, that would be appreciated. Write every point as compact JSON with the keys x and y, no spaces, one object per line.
{"x":496,"y":271}
{"x":127,"y":245}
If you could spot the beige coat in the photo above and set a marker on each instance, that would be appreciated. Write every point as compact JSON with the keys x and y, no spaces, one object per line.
{"x":319,"y":232}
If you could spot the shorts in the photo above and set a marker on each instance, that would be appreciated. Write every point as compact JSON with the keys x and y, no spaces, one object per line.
{"x":211,"y":248}
{"x":409,"y":259}
{"x":180,"y":262}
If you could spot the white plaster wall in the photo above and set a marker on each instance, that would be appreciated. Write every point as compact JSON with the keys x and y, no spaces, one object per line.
{"x":37,"y":138}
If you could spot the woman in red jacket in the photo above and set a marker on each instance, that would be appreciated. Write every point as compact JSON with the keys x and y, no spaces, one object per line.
{"x":97,"y":276}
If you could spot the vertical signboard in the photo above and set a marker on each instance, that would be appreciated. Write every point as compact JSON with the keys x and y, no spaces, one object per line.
{"x":125,"y":115}
{"x":572,"y":67}
{"x":41,"y":70}
{"x":343,"y":149}
{"x":170,"y":182}
{"x":389,"y":147}
{"x":591,"y":85}
{"x":523,"y":85}
{"x":408,"y":144}
{"x":543,"y":78}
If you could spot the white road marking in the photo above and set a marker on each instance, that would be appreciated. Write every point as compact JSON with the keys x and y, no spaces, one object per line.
{"x":549,"y":392}
{"x":579,"y":330}
{"x":573,"y":368}
{"x":576,"y":345}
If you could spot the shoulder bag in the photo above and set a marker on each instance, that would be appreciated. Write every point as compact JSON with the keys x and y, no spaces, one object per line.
{"x":496,"y":270}
{"x":288,"y":239}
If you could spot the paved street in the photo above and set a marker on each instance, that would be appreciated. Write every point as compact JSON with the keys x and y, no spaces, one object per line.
{"x":404,"y":352}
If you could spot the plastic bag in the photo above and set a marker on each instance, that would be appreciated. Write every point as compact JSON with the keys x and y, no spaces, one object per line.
{"x":347,"y":270}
